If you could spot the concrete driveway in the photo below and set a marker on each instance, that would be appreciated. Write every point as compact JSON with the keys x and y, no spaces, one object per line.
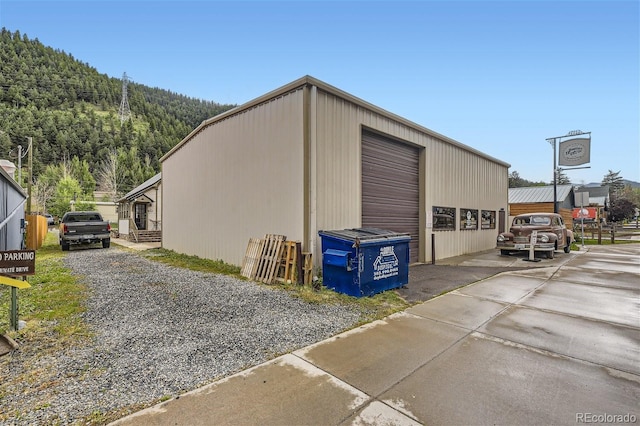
{"x":545,"y":345}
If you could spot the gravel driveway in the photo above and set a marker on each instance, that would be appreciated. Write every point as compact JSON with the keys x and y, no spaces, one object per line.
{"x":160,"y":331}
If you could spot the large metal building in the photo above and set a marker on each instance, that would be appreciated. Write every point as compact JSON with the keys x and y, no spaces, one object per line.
{"x":12,"y":201}
{"x":309,"y":157}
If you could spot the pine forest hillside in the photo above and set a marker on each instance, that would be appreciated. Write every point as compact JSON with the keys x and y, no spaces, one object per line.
{"x":71,"y":112}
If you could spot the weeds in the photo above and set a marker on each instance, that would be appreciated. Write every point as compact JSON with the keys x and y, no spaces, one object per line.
{"x":53,"y":304}
{"x":194,"y":263}
{"x":371,"y":308}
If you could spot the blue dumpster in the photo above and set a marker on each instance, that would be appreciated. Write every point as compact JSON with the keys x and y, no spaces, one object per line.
{"x":364,"y":261}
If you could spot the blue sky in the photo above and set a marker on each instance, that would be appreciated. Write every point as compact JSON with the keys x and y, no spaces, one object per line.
{"x":499,"y":76}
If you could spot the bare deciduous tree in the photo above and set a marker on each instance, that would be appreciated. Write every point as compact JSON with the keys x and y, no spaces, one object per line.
{"x":108,"y":176}
{"x":43,"y":192}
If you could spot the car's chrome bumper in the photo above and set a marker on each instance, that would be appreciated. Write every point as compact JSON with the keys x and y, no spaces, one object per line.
{"x":526,"y":246}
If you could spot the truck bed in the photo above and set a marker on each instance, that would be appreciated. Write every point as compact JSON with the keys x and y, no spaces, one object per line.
{"x":84,"y":228}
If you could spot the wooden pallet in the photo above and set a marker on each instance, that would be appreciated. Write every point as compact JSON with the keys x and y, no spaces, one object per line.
{"x":269,"y":260}
{"x":299,"y":265}
{"x":307,"y":268}
{"x":288,"y":263}
{"x":251,"y":258}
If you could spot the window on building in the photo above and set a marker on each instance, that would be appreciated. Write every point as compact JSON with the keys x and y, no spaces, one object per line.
{"x":444,"y":218}
{"x":488,"y":219}
{"x":468,"y":219}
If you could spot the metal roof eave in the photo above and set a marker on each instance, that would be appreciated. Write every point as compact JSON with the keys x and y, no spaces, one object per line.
{"x":311,"y":81}
{"x":142,"y":188}
{"x":13,"y":183}
{"x":538,"y":194}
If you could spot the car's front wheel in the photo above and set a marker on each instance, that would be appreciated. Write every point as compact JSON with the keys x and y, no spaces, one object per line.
{"x":505,"y":252}
{"x":567,"y":248}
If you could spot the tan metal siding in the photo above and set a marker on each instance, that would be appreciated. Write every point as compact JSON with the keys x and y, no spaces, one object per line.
{"x":460,"y":179}
{"x":237,"y":178}
{"x":267,"y":167}
{"x":337,"y":165}
{"x":450,"y":176}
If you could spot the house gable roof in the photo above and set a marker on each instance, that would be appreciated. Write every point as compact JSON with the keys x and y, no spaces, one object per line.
{"x":141,"y":189}
{"x":598,"y":195}
{"x":595,"y":191}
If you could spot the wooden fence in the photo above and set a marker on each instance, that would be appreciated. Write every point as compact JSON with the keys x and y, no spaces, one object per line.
{"x":593,"y":231}
{"x":37,"y":229}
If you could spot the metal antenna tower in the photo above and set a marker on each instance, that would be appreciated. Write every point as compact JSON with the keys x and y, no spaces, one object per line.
{"x":124,"y":112}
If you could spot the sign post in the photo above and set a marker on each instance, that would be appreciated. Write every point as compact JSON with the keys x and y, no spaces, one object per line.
{"x":20,"y":263}
{"x":582,"y":198}
{"x":532,"y":244}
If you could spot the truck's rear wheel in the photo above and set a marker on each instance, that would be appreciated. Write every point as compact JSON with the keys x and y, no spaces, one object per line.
{"x":106,"y":243}
{"x":65,"y":247}
{"x":550,"y":254}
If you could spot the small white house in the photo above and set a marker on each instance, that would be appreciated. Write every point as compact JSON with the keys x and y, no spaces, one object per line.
{"x":140,"y":212}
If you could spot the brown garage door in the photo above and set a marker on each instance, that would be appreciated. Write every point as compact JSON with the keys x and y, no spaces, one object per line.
{"x":390,"y":187}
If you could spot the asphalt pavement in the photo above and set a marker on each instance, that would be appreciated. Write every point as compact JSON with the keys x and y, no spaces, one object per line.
{"x":549,"y":342}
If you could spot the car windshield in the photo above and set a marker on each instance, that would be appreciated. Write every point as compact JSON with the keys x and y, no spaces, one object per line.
{"x":532,"y":220}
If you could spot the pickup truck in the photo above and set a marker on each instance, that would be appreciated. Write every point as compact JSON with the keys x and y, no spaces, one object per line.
{"x":84,"y":228}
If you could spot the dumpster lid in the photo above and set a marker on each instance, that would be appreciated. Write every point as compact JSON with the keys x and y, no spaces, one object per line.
{"x":364,"y":234}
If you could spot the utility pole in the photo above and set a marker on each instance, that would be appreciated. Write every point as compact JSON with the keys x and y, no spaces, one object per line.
{"x":555,"y":176}
{"x":20,"y":165}
{"x":30,"y":149}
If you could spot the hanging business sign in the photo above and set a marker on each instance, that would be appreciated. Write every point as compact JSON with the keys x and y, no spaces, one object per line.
{"x":574,"y":152}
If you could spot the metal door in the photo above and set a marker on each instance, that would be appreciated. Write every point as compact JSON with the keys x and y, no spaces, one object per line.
{"x":390,"y":187}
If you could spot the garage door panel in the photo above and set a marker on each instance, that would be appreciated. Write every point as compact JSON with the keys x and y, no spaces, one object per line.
{"x":392,"y":182}
{"x":390,"y":187}
{"x":391,"y":209}
{"x":400,"y":194}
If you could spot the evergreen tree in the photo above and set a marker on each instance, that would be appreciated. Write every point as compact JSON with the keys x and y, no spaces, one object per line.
{"x":515,"y":181}
{"x":615,"y":183}
{"x":69,"y":109}
{"x":561,"y":178}
{"x":80,"y":172}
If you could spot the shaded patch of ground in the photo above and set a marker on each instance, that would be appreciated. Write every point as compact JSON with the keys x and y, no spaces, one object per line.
{"x":428,"y":281}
